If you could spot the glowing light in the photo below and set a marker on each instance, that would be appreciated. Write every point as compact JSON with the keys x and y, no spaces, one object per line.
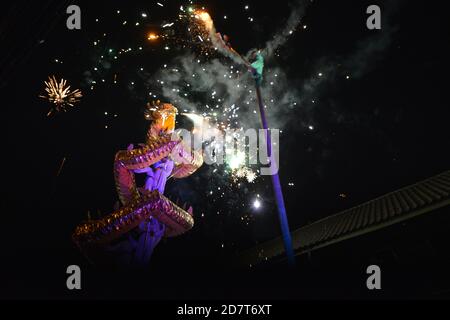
{"x":152,"y":36}
{"x":256,"y":204}
{"x":236,"y":160}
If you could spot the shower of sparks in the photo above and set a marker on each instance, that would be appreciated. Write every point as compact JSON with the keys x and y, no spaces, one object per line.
{"x":60,"y":95}
{"x":205,"y":18}
{"x":212,"y":109}
{"x":244,"y":173}
{"x":239,"y":169}
{"x":204,"y":130}
{"x":200,"y":31}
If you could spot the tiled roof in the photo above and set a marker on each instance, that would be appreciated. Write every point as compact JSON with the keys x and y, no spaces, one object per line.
{"x":386,"y":210}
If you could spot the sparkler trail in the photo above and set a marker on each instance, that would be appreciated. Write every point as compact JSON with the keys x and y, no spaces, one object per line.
{"x":61,"y":167}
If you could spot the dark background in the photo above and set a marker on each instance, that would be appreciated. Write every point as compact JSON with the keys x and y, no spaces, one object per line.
{"x":394,"y":133}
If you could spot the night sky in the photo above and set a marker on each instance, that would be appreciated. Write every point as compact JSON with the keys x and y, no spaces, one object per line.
{"x":362,"y":113}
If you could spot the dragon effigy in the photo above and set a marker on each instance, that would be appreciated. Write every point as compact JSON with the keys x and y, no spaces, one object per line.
{"x":145,"y":215}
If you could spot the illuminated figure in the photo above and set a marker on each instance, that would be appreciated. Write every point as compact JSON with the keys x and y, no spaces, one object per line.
{"x":129,"y":235}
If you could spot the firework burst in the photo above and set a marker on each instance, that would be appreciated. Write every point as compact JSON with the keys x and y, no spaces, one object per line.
{"x":60,"y":95}
{"x":244,"y":173}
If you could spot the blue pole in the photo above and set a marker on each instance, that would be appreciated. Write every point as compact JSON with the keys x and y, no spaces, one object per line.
{"x":287,"y":241}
